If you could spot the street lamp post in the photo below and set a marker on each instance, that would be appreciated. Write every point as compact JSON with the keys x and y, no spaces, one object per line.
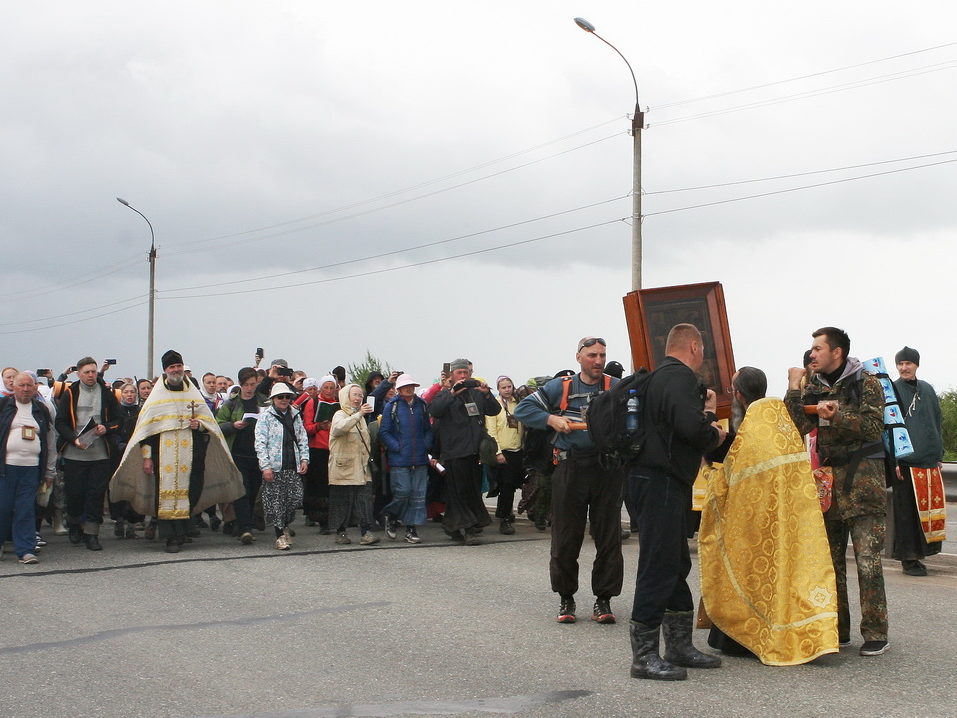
{"x":152,"y":261}
{"x":637,"y":122}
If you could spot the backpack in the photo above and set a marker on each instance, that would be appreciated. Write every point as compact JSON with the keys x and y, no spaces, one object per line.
{"x":537,"y":447}
{"x":607,"y":417}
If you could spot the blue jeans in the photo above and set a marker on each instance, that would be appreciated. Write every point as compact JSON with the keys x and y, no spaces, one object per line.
{"x":18,"y":495}
{"x":408,"y":494}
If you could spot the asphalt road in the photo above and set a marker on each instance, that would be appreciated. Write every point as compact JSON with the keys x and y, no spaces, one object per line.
{"x":436,"y":629}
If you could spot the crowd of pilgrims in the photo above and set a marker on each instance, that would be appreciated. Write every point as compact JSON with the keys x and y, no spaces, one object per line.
{"x":387,"y":419}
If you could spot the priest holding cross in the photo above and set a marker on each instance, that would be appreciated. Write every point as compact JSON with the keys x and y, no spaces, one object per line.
{"x":177,"y":462}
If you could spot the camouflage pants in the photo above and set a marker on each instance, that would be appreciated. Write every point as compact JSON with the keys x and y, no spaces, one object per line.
{"x":867,"y":537}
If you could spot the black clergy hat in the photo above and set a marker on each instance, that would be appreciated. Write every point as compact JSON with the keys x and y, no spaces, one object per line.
{"x":171,"y":357}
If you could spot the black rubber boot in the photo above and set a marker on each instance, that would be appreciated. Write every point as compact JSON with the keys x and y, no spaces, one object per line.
{"x":677,"y":627}
{"x":645,"y":661}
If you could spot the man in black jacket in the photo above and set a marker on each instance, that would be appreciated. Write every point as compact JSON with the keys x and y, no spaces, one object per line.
{"x":681,"y":426}
{"x":459,"y":410}
{"x":86,"y":454}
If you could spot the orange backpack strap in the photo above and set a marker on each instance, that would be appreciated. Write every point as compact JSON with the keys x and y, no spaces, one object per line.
{"x":607,"y":382}
{"x":566,"y":388}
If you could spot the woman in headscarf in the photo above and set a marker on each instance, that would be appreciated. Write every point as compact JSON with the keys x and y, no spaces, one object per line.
{"x":127,"y":413}
{"x":283,"y":452}
{"x":508,"y":471}
{"x":318,"y":409}
{"x":350,"y":477}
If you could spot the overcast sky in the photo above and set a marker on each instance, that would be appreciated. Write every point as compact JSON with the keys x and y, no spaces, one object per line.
{"x":281,"y":138}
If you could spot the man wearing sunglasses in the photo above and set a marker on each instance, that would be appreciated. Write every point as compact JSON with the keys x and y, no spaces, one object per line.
{"x":582,"y":489}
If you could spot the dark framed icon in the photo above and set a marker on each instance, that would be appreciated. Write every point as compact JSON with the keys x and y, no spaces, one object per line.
{"x":651,"y":313}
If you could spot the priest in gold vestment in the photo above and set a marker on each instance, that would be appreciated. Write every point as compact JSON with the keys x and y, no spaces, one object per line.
{"x":177,"y":462}
{"x":767,"y":581}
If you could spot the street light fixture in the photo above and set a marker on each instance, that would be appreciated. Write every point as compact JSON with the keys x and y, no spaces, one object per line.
{"x":152,"y":261}
{"x":637,"y":123}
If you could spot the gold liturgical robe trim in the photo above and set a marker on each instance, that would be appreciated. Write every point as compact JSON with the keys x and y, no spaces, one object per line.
{"x":766,"y":575}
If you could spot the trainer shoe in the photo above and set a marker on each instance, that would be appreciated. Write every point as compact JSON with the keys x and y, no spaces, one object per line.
{"x":368,"y":538}
{"x":411,"y":536}
{"x":391,"y":525}
{"x":566,"y":611}
{"x":282,"y":544}
{"x":29,"y":558}
{"x":247,"y":538}
{"x":874,"y":648}
{"x":343,"y":538}
{"x":602,"y":611}
{"x":505,"y":527}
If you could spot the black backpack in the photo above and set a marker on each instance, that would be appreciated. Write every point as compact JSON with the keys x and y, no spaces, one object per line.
{"x":607,"y":416}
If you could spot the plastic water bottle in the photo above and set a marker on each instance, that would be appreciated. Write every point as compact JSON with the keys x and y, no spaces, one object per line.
{"x":631,"y":416}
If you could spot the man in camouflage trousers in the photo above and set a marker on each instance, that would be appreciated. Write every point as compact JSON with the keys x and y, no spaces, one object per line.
{"x":847,"y":409}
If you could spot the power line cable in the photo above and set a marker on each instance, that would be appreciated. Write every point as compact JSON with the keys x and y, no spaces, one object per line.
{"x":404,"y":249}
{"x":75,"y":321}
{"x":400,"y":202}
{"x":857,"y":84}
{"x":98,"y":273}
{"x":411,"y":188}
{"x":801,"y":77}
{"x":71,"y":314}
{"x":799,"y":174}
{"x":795,"y":189}
{"x":405,"y":266}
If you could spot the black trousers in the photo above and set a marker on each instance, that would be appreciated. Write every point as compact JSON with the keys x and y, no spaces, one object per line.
{"x":664,"y":561}
{"x":509,"y":477}
{"x":583,"y":489}
{"x":85,"y":484}
{"x":464,"y":507}
{"x":315,"y":486}
{"x":244,"y":506}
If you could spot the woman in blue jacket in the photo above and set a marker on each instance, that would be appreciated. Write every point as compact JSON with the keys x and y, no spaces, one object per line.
{"x":407,"y":434}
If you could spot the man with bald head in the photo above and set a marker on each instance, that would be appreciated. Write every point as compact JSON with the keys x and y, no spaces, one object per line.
{"x":681,"y":426}
{"x":27,"y":455}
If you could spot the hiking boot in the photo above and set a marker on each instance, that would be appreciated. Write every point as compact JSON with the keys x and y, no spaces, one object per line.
{"x":76,"y":534}
{"x":368,"y":538}
{"x":645,"y":661}
{"x":92,"y":542}
{"x":602,"y":611}
{"x":566,"y":610}
{"x":874,"y":648}
{"x":914,"y":568}
{"x":343,"y":538}
{"x":506,"y":527}
{"x":247,"y":538}
{"x":676,"y":628}
{"x":411,"y":536}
